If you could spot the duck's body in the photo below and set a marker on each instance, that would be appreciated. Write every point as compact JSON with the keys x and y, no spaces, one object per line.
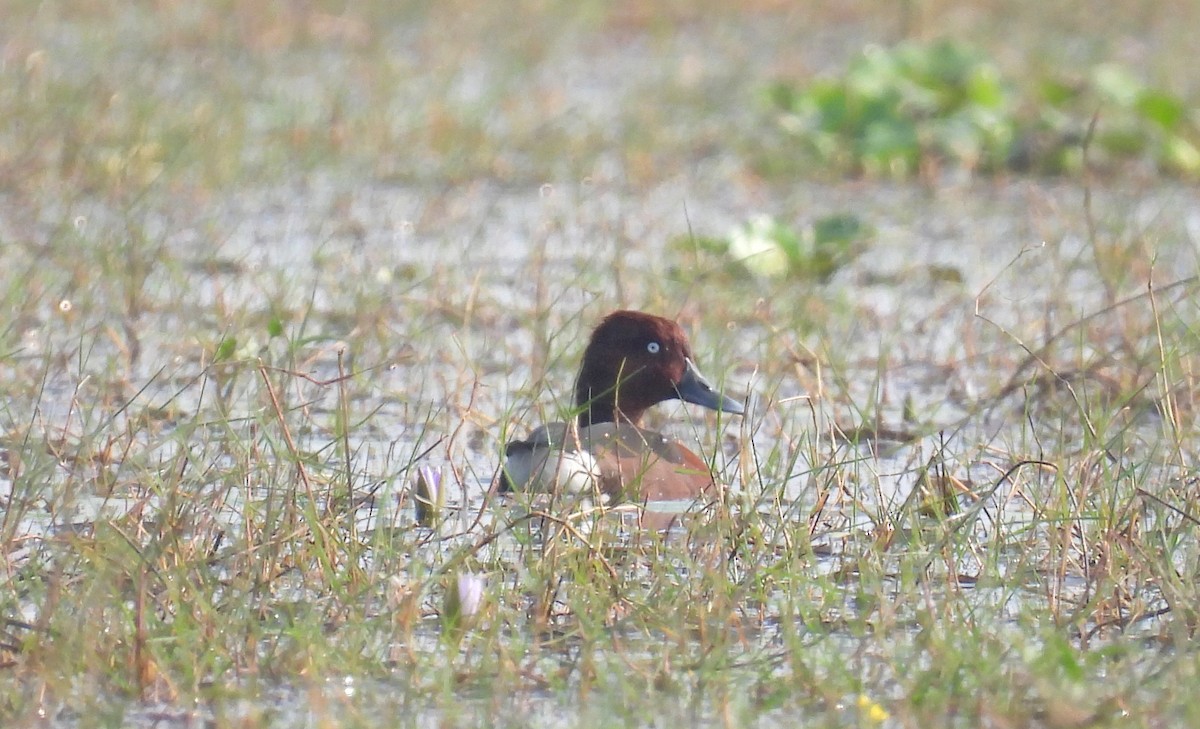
{"x":622,"y":461}
{"x":633,"y":361}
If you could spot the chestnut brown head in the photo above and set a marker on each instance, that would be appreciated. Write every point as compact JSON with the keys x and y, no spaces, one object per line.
{"x":634,"y":361}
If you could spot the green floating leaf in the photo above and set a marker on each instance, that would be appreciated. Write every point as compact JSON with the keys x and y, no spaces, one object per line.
{"x":275,"y":327}
{"x":836,"y":240}
{"x":767,"y":248}
{"x":839,"y":231}
{"x":895,"y":109}
{"x":986,"y":88}
{"x":1161,"y":108}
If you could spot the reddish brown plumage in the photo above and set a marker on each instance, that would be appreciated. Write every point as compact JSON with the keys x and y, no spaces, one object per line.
{"x":619,"y":378}
{"x":633,"y":361}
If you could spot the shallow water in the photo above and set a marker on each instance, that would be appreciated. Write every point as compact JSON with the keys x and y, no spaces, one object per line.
{"x":461,"y":366}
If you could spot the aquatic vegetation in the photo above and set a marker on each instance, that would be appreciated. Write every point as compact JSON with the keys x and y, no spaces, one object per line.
{"x":897,"y":110}
{"x":275,"y":269}
{"x":429,"y":499}
{"x":464,"y":597}
{"x":765,"y":247}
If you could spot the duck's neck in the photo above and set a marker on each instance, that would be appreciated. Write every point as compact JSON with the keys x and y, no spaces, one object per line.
{"x":607,"y":403}
{"x":592,"y":411}
{"x":596,"y":408}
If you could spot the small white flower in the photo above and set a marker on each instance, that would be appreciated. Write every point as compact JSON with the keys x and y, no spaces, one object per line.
{"x":464,"y":596}
{"x":428,"y":496}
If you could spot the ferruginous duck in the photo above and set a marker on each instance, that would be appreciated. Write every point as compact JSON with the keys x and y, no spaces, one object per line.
{"x":633,"y":361}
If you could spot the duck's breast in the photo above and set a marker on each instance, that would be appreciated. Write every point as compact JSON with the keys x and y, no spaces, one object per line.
{"x":644,"y":465}
{"x":624,"y":462}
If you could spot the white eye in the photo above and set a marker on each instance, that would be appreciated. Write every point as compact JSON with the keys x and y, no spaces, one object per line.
{"x":653,"y":347}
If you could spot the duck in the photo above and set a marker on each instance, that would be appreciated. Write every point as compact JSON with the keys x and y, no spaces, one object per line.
{"x":633,"y":361}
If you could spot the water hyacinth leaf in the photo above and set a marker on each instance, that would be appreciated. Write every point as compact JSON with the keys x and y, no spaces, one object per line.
{"x":986,"y":88}
{"x":895,"y":108}
{"x":943,"y":63}
{"x":1161,"y":108}
{"x":793,"y":245}
{"x":873,"y":74}
{"x":890,"y":147}
{"x":839,"y":231}
{"x":914,"y":99}
{"x":765,"y":247}
{"x":836,"y":240}
{"x":819,"y":108}
{"x":959,"y":139}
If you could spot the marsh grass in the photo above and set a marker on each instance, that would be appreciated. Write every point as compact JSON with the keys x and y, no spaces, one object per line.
{"x":258,"y":272}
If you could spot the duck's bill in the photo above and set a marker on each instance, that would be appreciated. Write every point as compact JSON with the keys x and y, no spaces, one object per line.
{"x":695,"y":389}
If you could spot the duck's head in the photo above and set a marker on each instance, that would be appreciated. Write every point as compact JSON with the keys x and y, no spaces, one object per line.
{"x":636,"y":360}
